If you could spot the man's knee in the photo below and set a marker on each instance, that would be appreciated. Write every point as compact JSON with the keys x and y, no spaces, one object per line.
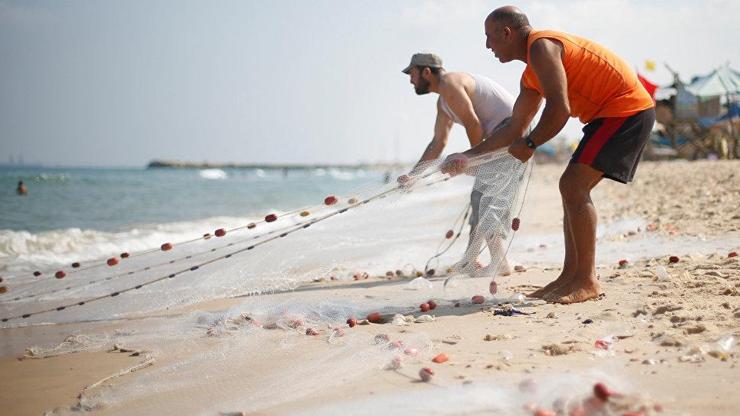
{"x":572,"y":189}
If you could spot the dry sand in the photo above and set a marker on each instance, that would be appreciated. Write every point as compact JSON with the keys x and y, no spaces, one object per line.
{"x":664,"y":318}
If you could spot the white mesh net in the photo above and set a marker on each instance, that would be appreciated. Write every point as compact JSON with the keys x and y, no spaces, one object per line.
{"x":211,"y":308}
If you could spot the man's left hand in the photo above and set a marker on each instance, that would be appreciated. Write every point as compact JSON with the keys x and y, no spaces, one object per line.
{"x":520,"y":150}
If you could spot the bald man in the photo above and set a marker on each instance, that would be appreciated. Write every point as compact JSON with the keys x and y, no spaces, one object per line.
{"x":481,"y":106}
{"x":577,"y":78}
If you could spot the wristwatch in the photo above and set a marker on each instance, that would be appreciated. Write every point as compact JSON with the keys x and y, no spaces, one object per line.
{"x":530,"y":143}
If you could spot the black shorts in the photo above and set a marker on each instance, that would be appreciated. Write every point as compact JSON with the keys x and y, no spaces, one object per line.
{"x":614,"y":145}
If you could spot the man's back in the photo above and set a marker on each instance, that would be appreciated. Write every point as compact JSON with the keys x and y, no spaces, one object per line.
{"x":600,"y":83}
{"x":491,"y":102}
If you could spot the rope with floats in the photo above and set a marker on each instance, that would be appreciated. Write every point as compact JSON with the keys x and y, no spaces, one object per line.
{"x":276,"y":234}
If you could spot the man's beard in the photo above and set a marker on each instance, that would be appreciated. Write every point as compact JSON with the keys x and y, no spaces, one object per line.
{"x":423,"y":87}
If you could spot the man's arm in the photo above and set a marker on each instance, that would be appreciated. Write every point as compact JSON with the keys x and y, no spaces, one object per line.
{"x":547,"y":63}
{"x":525,"y":108}
{"x":453,"y":92}
{"x":442,"y":127}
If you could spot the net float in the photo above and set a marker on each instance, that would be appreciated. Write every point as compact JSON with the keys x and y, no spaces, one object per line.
{"x":112,"y":261}
{"x":375,"y":317}
{"x":425,"y":374}
{"x":37,"y":273}
{"x":673,"y":259}
{"x":424,"y":307}
{"x":449,"y":234}
{"x":166,"y":246}
{"x":220,"y":232}
{"x":602,"y":392}
{"x":352,"y":322}
{"x":271,"y":218}
{"x":251,"y":225}
{"x":515,"y":224}
{"x":305,"y":214}
{"x":3,"y":289}
{"x":623,"y":263}
{"x":440,"y":358}
{"x":312,"y":332}
{"x":125,"y":255}
{"x":478,"y":299}
{"x":432,"y":304}
{"x":75,"y":265}
{"x":330,"y":200}
{"x":352,"y":200}
{"x":60,"y":274}
{"x":732,"y":254}
{"x":206,"y":236}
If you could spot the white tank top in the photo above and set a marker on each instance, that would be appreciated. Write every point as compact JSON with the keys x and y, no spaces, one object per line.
{"x":491,"y":103}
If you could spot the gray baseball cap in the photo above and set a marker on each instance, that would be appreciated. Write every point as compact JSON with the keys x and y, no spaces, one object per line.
{"x":424,"y":59}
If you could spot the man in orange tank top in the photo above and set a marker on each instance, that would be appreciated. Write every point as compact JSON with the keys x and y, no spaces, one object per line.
{"x":577,"y":78}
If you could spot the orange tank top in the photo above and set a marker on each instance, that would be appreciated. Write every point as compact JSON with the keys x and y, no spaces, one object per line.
{"x":600,"y":83}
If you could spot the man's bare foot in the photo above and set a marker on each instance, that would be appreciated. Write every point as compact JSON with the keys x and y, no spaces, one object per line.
{"x":563,"y":279}
{"x":574,"y":292}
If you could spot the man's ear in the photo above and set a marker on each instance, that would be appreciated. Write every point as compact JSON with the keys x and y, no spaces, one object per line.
{"x":426,"y":73}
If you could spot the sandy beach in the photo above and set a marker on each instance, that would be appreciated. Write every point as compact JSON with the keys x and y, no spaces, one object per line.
{"x":663,"y":337}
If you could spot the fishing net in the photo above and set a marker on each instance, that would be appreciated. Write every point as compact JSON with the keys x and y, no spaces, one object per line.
{"x":218,"y":306}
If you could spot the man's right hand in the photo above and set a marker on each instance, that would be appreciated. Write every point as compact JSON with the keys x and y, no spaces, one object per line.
{"x":455,"y":164}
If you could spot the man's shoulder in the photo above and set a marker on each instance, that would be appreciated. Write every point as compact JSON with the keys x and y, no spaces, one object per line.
{"x":455,"y":80}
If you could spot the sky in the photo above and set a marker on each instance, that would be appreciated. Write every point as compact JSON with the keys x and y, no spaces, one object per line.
{"x":119,"y":83}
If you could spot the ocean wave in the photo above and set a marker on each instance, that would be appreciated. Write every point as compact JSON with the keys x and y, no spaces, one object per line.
{"x":22,"y":251}
{"x":213,"y":174}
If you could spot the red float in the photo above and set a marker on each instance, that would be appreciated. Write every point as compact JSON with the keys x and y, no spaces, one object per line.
{"x":673,"y":259}
{"x":623,"y":263}
{"x":330,"y":200}
{"x":425,"y":374}
{"x":440,"y":358}
{"x":60,"y":274}
{"x":352,"y":322}
{"x":375,"y":317}
{"x":424,"y":307}
{"x":166,"y":246}
{"x":3,"y":289}
{"x":271,"y":218}
{"x":449,"y":234}
{"x":112,"y":261}
{"x":515,"y":224}
{"x":732,"y":254}
{"x":602,"y":392}
{"x":432,"y":304}
{"x":478,"y":299}
{"x":220,"y":232}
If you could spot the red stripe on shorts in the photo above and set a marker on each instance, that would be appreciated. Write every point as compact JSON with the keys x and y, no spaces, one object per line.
{"x":599,"y":139}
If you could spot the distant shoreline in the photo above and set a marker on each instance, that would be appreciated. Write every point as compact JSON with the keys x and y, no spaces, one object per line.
{"x":170,"y":164}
